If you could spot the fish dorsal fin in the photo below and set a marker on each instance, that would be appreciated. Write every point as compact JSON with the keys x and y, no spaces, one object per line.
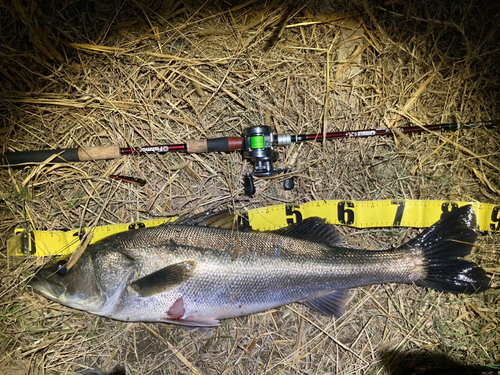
{"x":164,"y":279}
{"x":219,"y":219}
{"x":312,"y":229}
{"x":332,"y":304}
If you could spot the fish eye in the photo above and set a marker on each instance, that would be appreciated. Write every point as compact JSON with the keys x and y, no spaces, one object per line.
{"x":58,"y":266}
{"x":61,"y":269}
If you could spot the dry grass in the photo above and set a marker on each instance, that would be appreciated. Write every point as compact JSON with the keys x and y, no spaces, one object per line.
{"x":79,"y":74}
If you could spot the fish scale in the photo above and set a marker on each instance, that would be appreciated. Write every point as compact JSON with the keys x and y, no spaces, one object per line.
{"x":191,"y":274}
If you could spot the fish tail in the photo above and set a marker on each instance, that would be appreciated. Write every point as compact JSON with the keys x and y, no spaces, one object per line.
{"x":443,"y":245}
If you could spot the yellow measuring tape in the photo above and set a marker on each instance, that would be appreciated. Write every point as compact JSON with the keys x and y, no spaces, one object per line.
{"x":359,"y":214}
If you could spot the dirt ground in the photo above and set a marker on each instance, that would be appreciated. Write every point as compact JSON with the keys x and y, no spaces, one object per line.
{"x":142,"y":73}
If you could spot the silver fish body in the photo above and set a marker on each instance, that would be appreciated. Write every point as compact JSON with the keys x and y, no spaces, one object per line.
{"x":195,"y":275}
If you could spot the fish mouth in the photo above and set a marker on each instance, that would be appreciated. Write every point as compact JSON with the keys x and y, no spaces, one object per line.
{"x":57,"y":292}
{"x":49,"y":289}
{"x":99,"y":304}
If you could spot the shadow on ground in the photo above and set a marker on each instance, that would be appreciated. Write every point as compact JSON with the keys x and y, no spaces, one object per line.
{"x":426,"y":363}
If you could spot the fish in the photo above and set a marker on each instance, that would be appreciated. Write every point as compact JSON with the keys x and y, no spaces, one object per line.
{"x":195,"y":272}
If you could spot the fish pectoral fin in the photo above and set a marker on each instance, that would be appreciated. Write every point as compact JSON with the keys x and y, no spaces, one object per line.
{"x":332,"y":304}
{"x":164,"y":279}
{"x":312,"y":229}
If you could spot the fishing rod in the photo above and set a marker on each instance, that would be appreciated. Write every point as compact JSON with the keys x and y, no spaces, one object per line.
{"x":257,"y":144}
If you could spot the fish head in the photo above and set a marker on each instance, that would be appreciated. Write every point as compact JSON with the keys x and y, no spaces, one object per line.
{"x":94,"y":283}
{"x":76,"y":287}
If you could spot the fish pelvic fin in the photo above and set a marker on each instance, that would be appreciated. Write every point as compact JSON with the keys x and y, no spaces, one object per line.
{"x":202,"y":323}
{"x":312,"y":229}
{"x":164,"y":279}
{"x":332,"y":304}
{"x":442,"y":245}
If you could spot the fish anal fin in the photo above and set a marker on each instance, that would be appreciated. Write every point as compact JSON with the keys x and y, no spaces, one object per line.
{"x":332,"y":304}
{"x":312,"y":229}
{"x":164,"y":279}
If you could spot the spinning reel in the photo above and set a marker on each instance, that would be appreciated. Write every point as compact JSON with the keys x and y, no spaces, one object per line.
{"x":258,"y":143}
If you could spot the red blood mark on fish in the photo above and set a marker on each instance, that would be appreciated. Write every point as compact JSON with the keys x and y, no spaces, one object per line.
{"x":177,"y":310}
